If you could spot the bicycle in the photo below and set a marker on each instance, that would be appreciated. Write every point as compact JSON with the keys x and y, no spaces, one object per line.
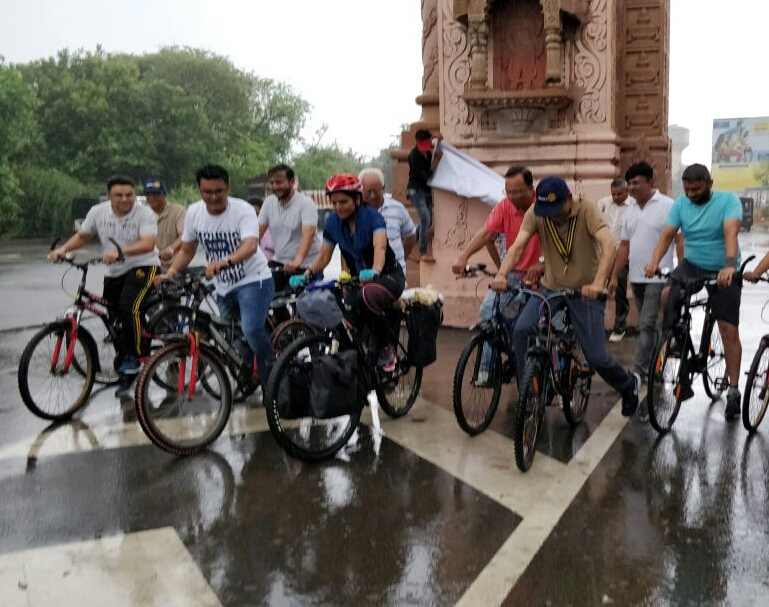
{"x":675,"y":363}
{"x":184,"y":393}
{"x":489,"y":357}
{"x":756,"y":398}
{"x":338,"y":365}
{"x":555,"y":364}
{"x":60,"y":364}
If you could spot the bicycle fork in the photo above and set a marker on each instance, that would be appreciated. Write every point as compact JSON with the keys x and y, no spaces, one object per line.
{"x":70,"y":347}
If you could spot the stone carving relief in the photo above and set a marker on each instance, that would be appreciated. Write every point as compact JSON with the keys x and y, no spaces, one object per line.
{"x":458,"y":235}
{"x":429,"y":46}
{"x":519,"y":46}
{"x":457,"y":116}
{"x":590,"y":66}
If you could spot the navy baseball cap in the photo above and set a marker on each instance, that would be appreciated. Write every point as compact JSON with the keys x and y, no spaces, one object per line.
{"x":154,"y":186}
{"x":552,"y":194}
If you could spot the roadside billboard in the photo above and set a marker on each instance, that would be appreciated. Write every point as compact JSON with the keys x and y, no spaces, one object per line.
{"x":740,"y":147}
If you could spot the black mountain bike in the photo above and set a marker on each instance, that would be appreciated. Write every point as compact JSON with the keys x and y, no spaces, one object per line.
{"x":756,"y":399}
{"x":675,"y":363}
{"x":486,"y":362}
{"x":555,"y":364}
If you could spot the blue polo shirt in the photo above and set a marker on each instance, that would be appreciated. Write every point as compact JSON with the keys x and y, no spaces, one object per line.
{"x":358,"y":248}
{"x":703,"y":228}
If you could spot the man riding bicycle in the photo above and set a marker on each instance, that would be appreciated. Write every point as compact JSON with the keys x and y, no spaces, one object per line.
{"x":710,"y":222}
{"x":571,"y":232}
{"x":134,"y":228}
{"x":361,"y":234}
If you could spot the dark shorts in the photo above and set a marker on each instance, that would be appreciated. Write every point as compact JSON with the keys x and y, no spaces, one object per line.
{"x":724,"y":301}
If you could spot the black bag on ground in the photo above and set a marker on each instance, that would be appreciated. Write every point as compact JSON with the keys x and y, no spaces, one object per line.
{"x":423,"y":333}
{"x":334,"y":385}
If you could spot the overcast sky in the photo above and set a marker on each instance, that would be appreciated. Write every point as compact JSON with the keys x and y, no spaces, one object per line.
{"x":358,"y":62}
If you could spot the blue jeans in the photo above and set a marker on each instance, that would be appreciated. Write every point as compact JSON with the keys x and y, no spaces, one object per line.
{"x":587,"y":318}
{"x":647,"y":301}
{"x":250,"y":303}
{"x":423,"y":203}
{"x":486,"y":312}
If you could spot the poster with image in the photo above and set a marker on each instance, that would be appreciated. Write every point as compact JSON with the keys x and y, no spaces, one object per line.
{"x":740,"y":147}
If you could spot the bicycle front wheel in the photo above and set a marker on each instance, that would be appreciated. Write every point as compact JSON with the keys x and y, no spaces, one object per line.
{"x":397,"y":391}
{"x":714,"y":376}
{"x":177,"y":412}
{"x":52,"y":384}
{"x":666,"y":382}
{"x":477,"y":384}
{"x":756,"y":398}
{"x":528,"y":417}
{"x":289,"y":415}
{"x":288,"y":332}
{"x":578,"y":382}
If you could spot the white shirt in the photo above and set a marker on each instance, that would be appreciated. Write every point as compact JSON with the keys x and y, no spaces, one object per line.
{"x":139,"y":222}
{"x":613,"y":213}
{"x":221,"y":236}
{"x":399,"y":226}
{"x":642,"y":229}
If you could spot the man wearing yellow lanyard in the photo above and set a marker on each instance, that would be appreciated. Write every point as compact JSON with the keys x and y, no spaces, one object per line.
{"x":578,"y":253}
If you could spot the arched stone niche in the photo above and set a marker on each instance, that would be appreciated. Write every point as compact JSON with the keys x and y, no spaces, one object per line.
{"x":523,"y":41}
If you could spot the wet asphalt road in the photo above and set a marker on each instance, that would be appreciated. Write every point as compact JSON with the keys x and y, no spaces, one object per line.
{"x":677,"y":520}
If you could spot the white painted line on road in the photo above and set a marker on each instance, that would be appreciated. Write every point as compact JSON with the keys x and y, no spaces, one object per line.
{"x":135,"y":570}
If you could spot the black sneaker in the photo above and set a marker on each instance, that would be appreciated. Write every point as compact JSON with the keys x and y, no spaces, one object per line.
{"x":733,"y":408}
{"x":124,"y":386}
{"x":630,"y":397}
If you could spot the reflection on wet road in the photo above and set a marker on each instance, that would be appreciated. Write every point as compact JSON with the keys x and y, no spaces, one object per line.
{"x":412,"y":511}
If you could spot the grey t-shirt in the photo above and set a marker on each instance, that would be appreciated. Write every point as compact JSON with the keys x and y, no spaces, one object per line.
{"x":140,"y":222}
{"x":285,"y":223}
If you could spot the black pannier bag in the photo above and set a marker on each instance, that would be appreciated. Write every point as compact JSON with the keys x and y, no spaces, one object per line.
{"x":423,"y":333}
{"x":294,"y":392}
{"x":335,"y":389}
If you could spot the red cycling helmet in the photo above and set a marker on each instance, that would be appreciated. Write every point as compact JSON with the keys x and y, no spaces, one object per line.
{"x":343,"y":182}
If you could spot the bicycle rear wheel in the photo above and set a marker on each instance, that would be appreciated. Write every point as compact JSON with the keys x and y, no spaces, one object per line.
{"x":477,"y":389}
{"x":579,"y":378}
{"x":288,"y":332}
{"x":48,"y":389}
{"x":528,"y":417}
{"x":292,"y":423}
{"x":714,"y":376}
{"x":756,"y":398}
{"x":663,"y":397}
{"x":397,"y":391}
{"x":176,"y":413}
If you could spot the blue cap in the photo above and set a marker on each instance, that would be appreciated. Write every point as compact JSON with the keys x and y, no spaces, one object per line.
{"x":154,"y":186}
{"x":552,"y":194}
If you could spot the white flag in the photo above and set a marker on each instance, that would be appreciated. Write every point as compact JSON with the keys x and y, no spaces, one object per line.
{"x":467,"y":177}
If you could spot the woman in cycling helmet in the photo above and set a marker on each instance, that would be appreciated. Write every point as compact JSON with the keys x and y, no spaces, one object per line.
{"x":361,"y":234}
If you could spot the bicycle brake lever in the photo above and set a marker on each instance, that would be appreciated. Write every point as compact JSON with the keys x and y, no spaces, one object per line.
{"x":120,"y":256}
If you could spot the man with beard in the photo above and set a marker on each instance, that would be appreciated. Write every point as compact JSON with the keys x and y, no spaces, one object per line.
{"x":710,"y":222}
{"x":292,"y":219}
{"x":505,"y":219}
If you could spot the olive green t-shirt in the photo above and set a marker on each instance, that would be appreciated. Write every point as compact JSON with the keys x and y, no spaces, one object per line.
{"x":585,"y":252}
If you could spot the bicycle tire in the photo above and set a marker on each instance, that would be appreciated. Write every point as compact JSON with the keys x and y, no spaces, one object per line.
{"x":398,"y":391}
{"x":42,"y":390}
{"x":174,"y":421}
{"x":306,"y":438}
{"x":715,"y":365}
{"x":529,"y":415}
{"x":663,"y":397}
{"x":473,"y":416}
{"x":580,"y":380}
{"x":168,"y":322}
{"x":289,"y":331}
{"x":756,"y":398}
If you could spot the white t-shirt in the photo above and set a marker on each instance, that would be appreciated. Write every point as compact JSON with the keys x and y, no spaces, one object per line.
{"x":613,"y":213}
{"x":642,"y":229}
{"x":399,"y":226}
{"x":141,"y":221}
{"x":221,"y":236}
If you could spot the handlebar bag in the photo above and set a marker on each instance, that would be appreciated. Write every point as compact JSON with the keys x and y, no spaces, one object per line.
{"x":320,"y":307}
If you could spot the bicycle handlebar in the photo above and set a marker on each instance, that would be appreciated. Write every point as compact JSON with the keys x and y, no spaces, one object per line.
{"x":693,"y":282}
{"x":69,"y":256}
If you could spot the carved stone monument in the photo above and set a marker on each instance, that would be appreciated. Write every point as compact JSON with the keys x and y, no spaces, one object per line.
{"x":576,"y":88}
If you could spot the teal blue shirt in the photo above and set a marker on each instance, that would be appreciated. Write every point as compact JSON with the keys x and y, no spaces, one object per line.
{"x":703,"y":228}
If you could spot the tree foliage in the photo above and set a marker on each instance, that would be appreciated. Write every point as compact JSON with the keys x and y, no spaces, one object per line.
{"x":316,"y":164}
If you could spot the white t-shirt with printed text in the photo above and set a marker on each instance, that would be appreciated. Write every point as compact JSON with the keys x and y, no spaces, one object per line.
{"x":221,"y":235}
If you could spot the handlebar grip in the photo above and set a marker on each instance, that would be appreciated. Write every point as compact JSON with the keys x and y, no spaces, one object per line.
{"x":297,"y":280}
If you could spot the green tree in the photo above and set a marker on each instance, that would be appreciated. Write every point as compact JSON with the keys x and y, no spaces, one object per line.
{"x":318,"y":162}
{"x":17,"y":135}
